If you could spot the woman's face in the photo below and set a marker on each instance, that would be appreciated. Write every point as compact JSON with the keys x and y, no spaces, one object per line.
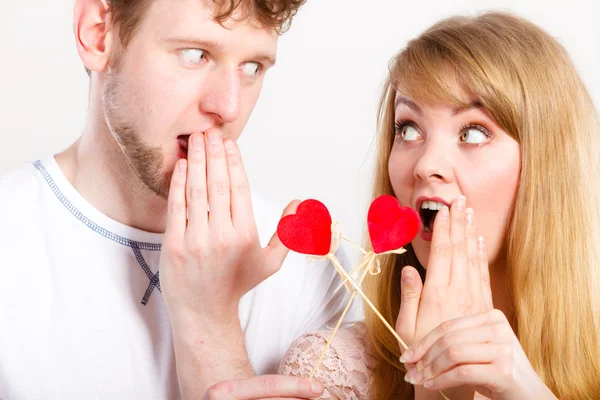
{"x":441,"y":152}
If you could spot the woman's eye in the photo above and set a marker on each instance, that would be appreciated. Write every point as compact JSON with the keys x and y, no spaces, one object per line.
{"x":251,"y":69}
{"x":409,"y":133}
{"x":473,"y":135}
{"x":194,"y":56}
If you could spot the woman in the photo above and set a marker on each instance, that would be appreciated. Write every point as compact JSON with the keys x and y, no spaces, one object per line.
{"x":485,"y":116}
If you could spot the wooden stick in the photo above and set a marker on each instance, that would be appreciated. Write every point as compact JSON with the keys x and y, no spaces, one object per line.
{"x":342,"y":272}
{"x":330,"y":339}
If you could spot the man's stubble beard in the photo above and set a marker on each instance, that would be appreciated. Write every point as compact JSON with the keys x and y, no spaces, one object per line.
{"x":145,"y":161}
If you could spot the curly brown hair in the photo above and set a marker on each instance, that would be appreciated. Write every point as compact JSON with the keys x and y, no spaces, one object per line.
{"x":276,"y":14}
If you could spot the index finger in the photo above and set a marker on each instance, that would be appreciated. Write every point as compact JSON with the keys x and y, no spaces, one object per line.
{"x":265,"y":386}
{"x":241,"y":201}
{"x":438,"y":266}
{"x":458,"y":271}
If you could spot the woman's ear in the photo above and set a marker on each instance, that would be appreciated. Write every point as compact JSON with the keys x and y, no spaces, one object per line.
{"x":93,"y":33}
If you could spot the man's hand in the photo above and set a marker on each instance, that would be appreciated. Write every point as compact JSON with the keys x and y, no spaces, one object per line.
{"x":209,"y":260}
{"x":265,"y":387}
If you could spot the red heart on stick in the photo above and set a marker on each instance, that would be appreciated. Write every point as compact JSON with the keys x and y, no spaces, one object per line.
{"x":391,"y":226}
{"x":308,"y":231}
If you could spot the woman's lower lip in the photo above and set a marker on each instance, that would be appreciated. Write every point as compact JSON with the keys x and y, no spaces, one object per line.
{"x":425,"y":234}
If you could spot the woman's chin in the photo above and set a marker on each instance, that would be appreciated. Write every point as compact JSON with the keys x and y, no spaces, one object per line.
{"x":421,"y":249}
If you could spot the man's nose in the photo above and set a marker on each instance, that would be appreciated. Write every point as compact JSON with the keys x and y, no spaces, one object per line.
{"x":222,"y":96}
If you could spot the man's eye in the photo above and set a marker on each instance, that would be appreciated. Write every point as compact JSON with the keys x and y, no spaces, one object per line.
{"x":194,"y":56}
{"x":251,"y":69}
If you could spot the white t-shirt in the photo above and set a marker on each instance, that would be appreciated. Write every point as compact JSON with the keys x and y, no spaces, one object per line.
{"x":81,"y":312}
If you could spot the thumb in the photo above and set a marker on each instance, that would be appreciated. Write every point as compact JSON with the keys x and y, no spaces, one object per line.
{"x":411,"y":287}
{"x":275,"y":252}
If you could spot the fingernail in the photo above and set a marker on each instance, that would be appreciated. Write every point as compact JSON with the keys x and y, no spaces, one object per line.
{"x":181,"y":167}
{"x":406,"y":356}
{"x":337,"y":393}
{"x":407,"y":377}
{"x":445,"y":213}
{"x":469,"y":216}
{"x":461,"y":203}
{"x":229,"y":147}
{"x":407,"y":277}
{"x":427,"y":374}
{"x":428,"y":384}
{"x":213,"y":137}
{"x":480,"y":243}
{"x":418,"y":378}
{"x":197,"y":141}
{"x":420,"y":365}
{"x":316,"y":387}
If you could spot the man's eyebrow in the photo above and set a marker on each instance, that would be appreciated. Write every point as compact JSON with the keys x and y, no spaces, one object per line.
{"x":470,"y":106}
{"x":406,"y":101}
{"x":194,"y":42}
{"x":263,"y":58}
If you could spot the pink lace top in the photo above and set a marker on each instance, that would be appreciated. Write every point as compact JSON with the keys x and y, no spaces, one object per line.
{"x":346,"y":368}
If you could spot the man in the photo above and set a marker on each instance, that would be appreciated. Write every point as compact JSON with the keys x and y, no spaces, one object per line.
{"x":97,"y":301}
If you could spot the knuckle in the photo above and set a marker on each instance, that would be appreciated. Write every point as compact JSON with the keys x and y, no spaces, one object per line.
{"x":464,"y":373}
{"x":465,"y":303}
{"x":234,"y":161}
{"x":177,"y":207}
{"x":195,"y":248}
{"x":197,"y":193}
{"x":446,"y":341}
{"x":500,"y":331}
{"x":196,"y":158}
{"x":219,"y":389}
{"x":446,"y":327}
{"x":485,"y":279}
{"x":505,"y":372}
{"x":458,"y":248}
{"x":506,"y":351}
{"x":497,"y":316}
{"x":220,"y":187}
{"x":442,"y":251}
{"x":409,"y":295}
{"x":454,"y":354}
{"x":435,"y":296}
{"x":270,"y":383}
{"x":241,"y":189}
{"x":473,"y":263}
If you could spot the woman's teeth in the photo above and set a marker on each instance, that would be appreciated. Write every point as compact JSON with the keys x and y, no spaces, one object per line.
{"x":432,"y":205}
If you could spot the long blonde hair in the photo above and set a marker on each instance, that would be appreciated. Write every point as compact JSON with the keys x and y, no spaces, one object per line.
{"x":527,"y":83}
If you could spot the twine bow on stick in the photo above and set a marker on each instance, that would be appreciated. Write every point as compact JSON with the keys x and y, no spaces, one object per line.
{"x":369,"y":264}
{"x":311,"y":231}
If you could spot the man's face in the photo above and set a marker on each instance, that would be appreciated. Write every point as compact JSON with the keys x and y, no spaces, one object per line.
{"x":182,"y":72}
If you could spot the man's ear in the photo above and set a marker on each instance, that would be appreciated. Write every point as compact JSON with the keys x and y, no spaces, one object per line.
{"x":93,"y":33}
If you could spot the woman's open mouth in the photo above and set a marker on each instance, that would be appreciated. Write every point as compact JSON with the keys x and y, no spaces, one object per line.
{"x":428,"y":211}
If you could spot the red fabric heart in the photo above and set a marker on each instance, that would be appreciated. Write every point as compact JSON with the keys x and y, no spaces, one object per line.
{"x":390,"y":225}
{"x":308,"y":231}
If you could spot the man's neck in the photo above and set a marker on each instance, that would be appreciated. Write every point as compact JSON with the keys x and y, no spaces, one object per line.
{"x":99,"y":171}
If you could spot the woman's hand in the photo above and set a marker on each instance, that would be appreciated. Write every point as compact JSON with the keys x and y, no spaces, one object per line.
{"x":458,"y":342}
{"x":480,"y":351}
{"x":457,"y":283}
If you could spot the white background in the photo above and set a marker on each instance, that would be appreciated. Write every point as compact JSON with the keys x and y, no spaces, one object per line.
{"x":312,"y":132}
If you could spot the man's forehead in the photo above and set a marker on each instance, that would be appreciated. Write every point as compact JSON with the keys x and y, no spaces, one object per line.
{"x":196,"y":19}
